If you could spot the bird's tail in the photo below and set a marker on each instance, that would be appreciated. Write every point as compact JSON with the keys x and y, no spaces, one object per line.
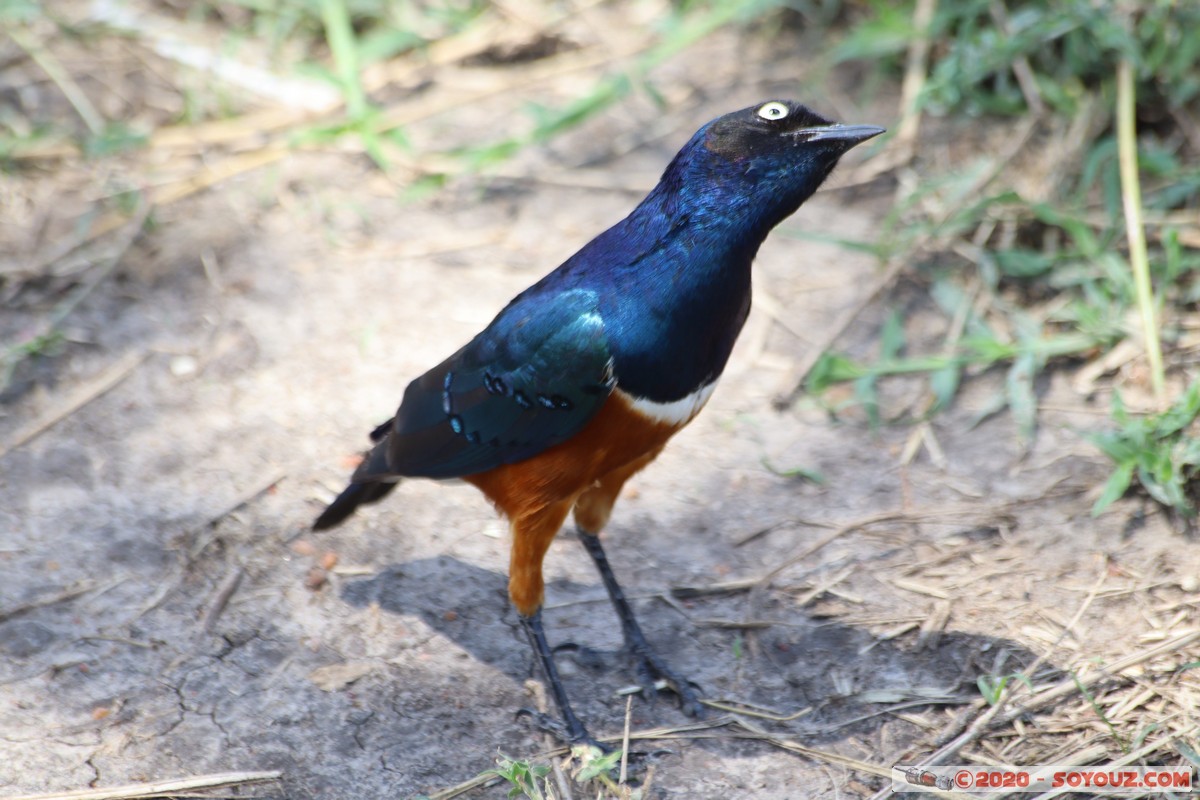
{"x":370,"y":483}
{"x":354,"y":495}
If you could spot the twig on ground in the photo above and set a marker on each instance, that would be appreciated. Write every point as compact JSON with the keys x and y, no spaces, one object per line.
{"x":182,"y":43}
{"x":1067,"y":686}
{"x":96,"y":387}
{"x":237,"y":504}
{"x":133,"y":227}
{"x":168,"y":585}
{"x":824,"y":586}
{"x":983,"y":512}
{"x":774,"y":526}
{"x":163,"y":788}
{"x":481,"y":780}
{"x":897,"y":515}
{"x":625,"y":741}
{"x":901,"y":147}
{"x":54,"y":599}
{"x":741,"y":709}
{"x":826,"y":756}
{"x":221,"y":598}
{"x":976,"y":728}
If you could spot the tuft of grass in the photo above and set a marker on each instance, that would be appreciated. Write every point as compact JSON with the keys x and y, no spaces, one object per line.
{"x":531,"y":780}
{"x":525,"y":778}
{"x":1161,"y":450}
{"x":992,"y":687}
{"x":1012,"y":58}
{"x":1033,"y":276}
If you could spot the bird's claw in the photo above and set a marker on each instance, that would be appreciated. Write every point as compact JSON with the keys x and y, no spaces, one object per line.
{"x":650,"y":670}
{"x":581,"y":654}
{"x":559,"y":730}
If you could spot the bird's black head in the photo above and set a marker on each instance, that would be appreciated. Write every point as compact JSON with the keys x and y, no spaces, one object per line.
{"x":759,"y":164}
{"x":781,"y":131}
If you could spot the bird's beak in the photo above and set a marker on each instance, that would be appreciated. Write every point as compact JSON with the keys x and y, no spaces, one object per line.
{"x":846,"y":133}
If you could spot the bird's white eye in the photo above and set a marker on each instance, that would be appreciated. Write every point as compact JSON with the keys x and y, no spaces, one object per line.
{"x":773,"y":111}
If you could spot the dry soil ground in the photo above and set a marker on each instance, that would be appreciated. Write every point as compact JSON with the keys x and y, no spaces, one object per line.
{"x":164,"y":611}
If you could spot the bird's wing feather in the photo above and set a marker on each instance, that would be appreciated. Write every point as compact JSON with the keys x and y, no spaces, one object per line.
{"x":532,"y":379}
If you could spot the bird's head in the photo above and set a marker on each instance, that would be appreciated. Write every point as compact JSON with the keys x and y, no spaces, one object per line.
{"x":759,"y":164}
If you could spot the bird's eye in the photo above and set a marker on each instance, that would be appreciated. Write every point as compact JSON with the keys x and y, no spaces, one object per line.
{"x":773,"y":111}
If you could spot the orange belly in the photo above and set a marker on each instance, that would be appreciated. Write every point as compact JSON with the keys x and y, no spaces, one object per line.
{"x":616,"y":436}
{"x":585,"y":472}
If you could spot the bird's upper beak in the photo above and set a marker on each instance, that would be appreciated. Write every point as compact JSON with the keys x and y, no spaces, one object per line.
{"x":847,"y":133}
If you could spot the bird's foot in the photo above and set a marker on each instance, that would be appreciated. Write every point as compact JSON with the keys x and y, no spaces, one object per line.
{"x":652,"y":670}
{"x":571,"y":735}
{"x":585,"y":656}
{"x":653,"y":674}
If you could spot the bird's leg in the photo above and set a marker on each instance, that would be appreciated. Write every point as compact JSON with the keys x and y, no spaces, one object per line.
{"x":532,"y":534}
{"x":572,"y":729}
{"x":649,"y":666}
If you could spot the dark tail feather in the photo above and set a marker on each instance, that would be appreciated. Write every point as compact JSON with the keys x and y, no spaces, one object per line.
{"x":355,"y":495}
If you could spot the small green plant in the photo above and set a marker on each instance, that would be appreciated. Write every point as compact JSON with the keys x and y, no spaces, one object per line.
{"x":597,"y":765}
{"x":1161,"y":450}
{"x":991,"y":686}
{"x":980,"y":350}
{"x":529,"y":780}
{"x":526,"y":778}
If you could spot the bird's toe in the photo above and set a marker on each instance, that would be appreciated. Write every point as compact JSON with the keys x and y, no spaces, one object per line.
{"x":561,"y":731}
{"x":654,"y":674}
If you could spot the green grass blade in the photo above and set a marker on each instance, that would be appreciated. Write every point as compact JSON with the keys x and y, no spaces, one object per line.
{"x":339,"y":34}
{"x":1131,"y":196}
{"x":1115,"y":487}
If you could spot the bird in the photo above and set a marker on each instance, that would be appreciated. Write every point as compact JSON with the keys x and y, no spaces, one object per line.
{"x":580,"y":381}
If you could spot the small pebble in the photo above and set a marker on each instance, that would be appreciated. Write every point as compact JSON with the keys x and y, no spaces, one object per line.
{"x":303,"y":547}
{"x":182,"y":366}
{"x":316,"y":578}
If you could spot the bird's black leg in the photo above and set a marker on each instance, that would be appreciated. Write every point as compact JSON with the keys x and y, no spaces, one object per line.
{"x":649,"y":666}
{"x":572,"y":729}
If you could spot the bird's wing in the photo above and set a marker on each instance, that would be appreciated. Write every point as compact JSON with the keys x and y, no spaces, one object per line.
{"x":532,"y":379}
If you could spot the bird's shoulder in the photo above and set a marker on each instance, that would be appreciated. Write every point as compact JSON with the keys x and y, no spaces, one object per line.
{"x":530,"y":379}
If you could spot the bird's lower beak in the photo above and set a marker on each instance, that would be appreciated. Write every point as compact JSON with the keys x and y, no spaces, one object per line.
{"x":846,"y":133}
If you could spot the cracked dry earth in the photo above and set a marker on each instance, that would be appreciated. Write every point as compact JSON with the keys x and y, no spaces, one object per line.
{"x":167,"y":613}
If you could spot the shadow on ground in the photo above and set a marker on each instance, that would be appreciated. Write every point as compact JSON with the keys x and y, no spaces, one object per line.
{"x":839,"y":671}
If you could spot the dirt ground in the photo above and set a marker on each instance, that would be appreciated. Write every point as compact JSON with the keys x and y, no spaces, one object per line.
{"x":165,"y":611}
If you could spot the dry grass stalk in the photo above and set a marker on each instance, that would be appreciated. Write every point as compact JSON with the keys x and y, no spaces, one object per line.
{"x":106,"y":381}
{"x":163,"y":788}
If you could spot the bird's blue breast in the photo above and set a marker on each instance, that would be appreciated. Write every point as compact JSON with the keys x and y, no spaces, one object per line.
{"x":673,"y":278}
{"x":673,"y":296}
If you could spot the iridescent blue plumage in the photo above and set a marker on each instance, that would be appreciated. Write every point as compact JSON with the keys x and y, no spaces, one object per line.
{"x":652,"y":306}
{"x":535,"y":376}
